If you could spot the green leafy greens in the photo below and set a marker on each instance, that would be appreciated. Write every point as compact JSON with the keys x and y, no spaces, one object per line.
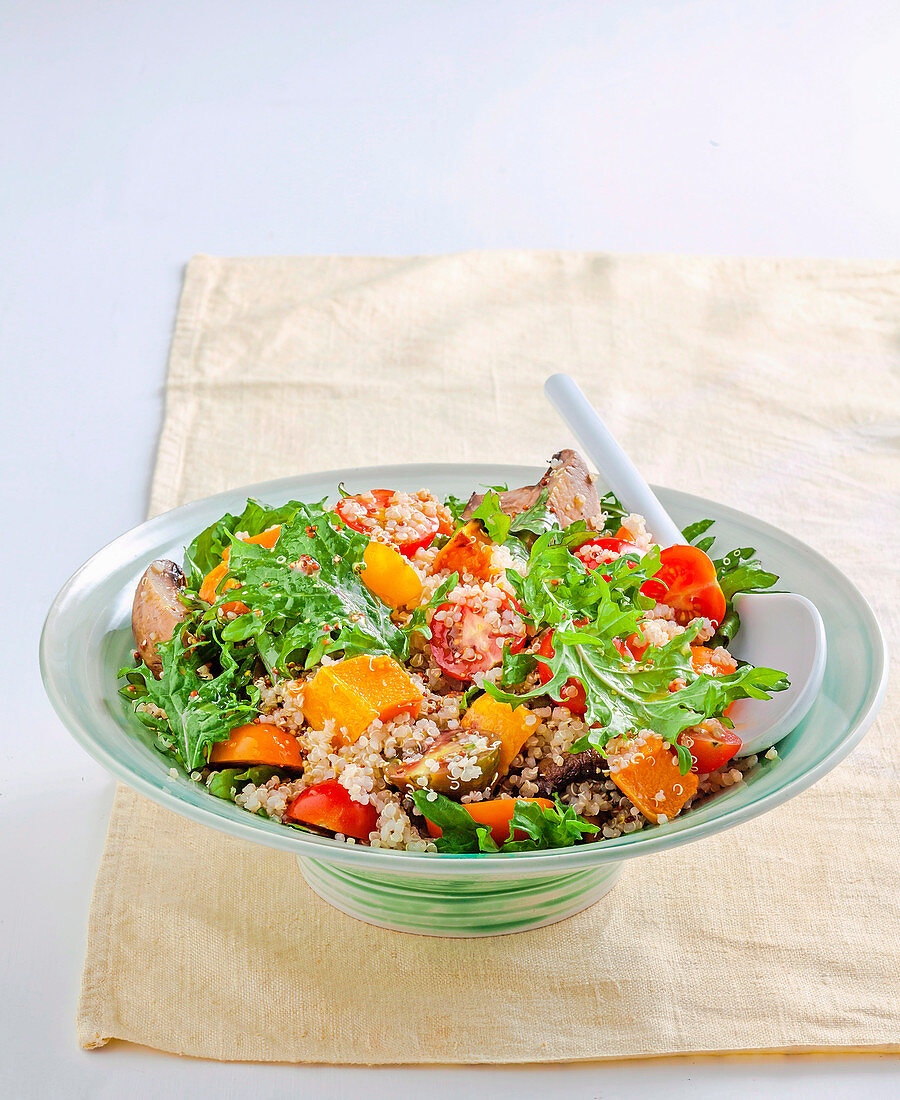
{"x":198,"y":710}
{"x":557,"y":826}
{"x":305,"y":599}
{"x":739,"y":571}
{"x":592,"y":612}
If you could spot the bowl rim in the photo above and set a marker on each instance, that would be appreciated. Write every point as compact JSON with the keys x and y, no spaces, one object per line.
{"x":274,"y":835}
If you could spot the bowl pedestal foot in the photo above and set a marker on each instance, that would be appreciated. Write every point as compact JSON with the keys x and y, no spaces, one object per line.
{"x":460,"y":905}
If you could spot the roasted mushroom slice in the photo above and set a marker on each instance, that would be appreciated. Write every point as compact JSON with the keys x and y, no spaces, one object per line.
{"x":456,"y":764}
{"x":157,"y":610}
{"x":570,"y":492}
{"x":576,"y":766}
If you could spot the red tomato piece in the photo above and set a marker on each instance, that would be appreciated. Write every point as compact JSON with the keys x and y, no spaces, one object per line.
{"x":632,"y":647}
{"x":367,"y":513}
{"x":573,"y":694}
{"x":586,"y":551}
{"x":691,"y":585}
{"x":329,"y":806}
{"x":464,"y":643}
{"x":710,"y":744}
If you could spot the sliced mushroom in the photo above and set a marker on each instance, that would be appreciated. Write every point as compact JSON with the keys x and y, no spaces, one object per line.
{"x":157,"y":610}
{"x":571,"y":494}
{"x":576,"y":766}
{"x":441,"y":768}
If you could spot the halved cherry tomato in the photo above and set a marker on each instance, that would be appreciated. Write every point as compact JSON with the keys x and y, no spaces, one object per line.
{"x":691,"y":585}
{"x":497,"y":813}
{"x":710,"y":744}
{"x":329,"y":806}
{"x":470,"y":645}
{"x":373,"y":520}
{"x":573,"y":695}
{"x":210,"y":585}
{"x":258,"y":743}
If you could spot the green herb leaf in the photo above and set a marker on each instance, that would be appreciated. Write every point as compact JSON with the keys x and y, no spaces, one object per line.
{"x":613,"y":512}
{"x":461,"y":833}
{"x":456,"y":506}
{"x":205,"y":552}
{"x":557,"y":826}
{"x":538,"y":518}
{"x":694,"y":530}
{"x":624,"y":695}
{"x":227,"y":782}
{"x":306,"y":598}
{"x":492,"y":517}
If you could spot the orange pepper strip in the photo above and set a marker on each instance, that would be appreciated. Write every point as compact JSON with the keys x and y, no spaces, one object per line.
{"x":496,"y":813}
{"x":258,"y":743}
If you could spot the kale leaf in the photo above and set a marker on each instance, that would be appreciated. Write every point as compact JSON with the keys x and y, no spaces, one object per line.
{"x":305,"y":595}
{"x":205,"y":552}
{"x":200,"y":710}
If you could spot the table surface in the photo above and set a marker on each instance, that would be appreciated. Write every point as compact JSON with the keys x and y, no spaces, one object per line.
{"x":135,"y":135}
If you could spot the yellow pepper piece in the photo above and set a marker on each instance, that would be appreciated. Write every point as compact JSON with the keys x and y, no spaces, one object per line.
{"x":390,"y":577}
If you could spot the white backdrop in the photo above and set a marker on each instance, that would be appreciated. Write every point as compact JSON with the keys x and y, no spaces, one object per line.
{"x":133,"y":135}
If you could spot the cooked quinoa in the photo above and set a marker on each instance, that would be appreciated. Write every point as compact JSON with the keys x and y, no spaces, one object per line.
{"x":401,"y":672}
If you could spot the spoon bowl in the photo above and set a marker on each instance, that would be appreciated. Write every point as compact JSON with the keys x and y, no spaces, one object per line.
{"x":778,"y":629}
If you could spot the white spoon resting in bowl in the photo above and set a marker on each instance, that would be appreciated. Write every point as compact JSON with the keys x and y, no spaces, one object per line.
{"x":778,"y":629}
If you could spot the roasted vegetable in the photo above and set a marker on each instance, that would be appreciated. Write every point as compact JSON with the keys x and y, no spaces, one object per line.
{"x":157,"y":610}
{"x":456,"y":764}
{"x":354,"y":692}
{"x":646,"y":770}
{"x":469,"y":551}
{"x":257,"y":743}
{"x":512,"y":727}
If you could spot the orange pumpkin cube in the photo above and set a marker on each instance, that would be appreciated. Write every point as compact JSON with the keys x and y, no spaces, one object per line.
{"x":646,"y":770}
{"x":512,"y":727}
{"x":354,"y":692}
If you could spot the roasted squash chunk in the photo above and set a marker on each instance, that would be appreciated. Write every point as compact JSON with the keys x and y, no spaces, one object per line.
{"x":353,"y":693}
{"x":646,"y":770}
{"x":511,"y":727}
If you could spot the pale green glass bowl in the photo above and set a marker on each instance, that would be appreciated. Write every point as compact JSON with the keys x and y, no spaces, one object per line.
{"x":87,"y":638}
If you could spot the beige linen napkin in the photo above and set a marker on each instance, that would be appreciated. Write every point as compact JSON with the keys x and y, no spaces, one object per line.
{"x":772,"y":386}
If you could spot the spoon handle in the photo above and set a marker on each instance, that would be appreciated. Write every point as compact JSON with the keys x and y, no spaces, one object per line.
{"x":616,"y":467}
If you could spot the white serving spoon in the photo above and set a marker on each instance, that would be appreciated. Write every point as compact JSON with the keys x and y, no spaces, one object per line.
{"x":778,"y":629}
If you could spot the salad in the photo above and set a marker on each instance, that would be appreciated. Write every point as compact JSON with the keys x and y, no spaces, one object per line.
{"x":522,"y":670}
